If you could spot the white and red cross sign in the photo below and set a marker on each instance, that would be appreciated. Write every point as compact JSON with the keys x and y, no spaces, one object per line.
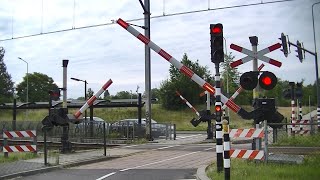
{"x":257,"y":55}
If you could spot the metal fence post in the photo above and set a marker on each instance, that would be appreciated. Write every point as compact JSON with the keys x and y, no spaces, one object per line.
{"x":5,"y":143}
{"x":127,"y":130}
{"x":45,"y":145}
{"x":104,"y":139}
{"x":174,"y":132}
{"x":266,"y":141}
{"x":167,"y":131}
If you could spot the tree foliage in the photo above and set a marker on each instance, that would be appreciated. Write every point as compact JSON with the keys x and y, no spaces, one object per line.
{"x":182,"y":83}
{"x":6,"y":84}
{"x":39,"y":86}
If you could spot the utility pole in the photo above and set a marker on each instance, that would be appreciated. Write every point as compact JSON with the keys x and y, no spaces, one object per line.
{"x":146,"y":9}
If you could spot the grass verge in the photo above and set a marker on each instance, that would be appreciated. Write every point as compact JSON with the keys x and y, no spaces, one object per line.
{"x":302,"y":141}
{"x":250,"y":170}
{"x":17,"y":156}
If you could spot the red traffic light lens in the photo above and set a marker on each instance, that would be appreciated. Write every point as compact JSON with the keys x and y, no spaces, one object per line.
{"x":216,"y":30}
{"x":218,"y":108}
{"x":266,"y":80}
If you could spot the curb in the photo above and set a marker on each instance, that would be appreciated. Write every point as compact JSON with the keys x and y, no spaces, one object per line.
{"x":201,"y":173}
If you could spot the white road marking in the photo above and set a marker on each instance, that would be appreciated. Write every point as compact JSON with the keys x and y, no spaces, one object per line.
{"x":157,"y":162}
{"x":209,"y":149}
{"x":103,"y":177}
{"x":130,"y":146}
{"x":167,"y":147}
{"x":184,"y":137}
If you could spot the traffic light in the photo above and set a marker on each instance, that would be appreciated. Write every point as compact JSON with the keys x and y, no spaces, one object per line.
{"x":265,"y":110}
{"x":299,"y":51}
{"x":284,"y":44}
{"x":249,"y":80}
{"x":216,"y":34}
{"x":218,"y":109}
{"x":298,"y":90}
{"x":55,"y":94}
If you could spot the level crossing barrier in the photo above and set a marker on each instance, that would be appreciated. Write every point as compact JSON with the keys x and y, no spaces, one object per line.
{"x":19,"y":148}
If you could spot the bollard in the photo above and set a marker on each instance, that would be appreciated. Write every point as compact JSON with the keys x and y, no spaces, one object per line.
{"x":226,"y":147}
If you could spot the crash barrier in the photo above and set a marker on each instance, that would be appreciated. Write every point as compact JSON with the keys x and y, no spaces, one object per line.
{"x":19,"y":148}
{"x":244,"y":153}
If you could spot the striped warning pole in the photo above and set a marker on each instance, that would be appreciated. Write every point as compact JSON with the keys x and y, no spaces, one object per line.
{"x":226,"y":148}
{"x":184,"y":69}
{"x":92,"y":99}
{"x":188,"y":104}
{"x":218,"y":108}
{"x":293,"y":115}
{"x":240,"y":89}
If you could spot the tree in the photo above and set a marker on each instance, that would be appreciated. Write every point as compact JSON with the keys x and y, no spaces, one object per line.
{"x":39,"y":86}
{"x":182,"y":83}
{"x":125,"y":95}
{"x":6,"y":84}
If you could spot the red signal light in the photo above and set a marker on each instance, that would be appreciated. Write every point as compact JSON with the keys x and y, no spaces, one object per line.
{"x":216,"y":30}
{"x":266,"y":80}
{"x":218,"y":108}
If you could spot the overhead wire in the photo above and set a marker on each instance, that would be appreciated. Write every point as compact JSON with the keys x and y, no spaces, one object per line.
{"x":139,"y":19}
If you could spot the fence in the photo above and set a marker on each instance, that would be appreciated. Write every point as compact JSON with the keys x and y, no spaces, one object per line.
{"x":19,"y":148}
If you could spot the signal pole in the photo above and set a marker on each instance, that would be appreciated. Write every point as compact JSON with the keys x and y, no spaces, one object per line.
{"x":254,"y":43}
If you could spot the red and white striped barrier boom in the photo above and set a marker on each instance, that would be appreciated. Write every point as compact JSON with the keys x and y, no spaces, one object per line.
{"x":20,"y":148}
{"x":19,"y":134}
{"x":258,"y":55}
{"x":184,"y":69}
{"x":92,"y":99}
{"x":246,"y":133}
{"x":247,"y":154}
{"x":240,"y":89}
{"x":187,"y":103}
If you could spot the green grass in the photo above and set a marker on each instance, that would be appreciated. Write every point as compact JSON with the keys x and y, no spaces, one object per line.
{"x":304,"y":141}
{"x":181,"y":118}
{"x":17,"y":156}
{"x":249,"y":170}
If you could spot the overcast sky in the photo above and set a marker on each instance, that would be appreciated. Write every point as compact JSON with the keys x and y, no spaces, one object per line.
{"x":100,"y":53}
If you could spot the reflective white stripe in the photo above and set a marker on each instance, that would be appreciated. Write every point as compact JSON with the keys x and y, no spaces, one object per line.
{"x":176,"y":63}
{"x":226,"y":146}
{"x":260,"y":155}
{"x":133,"y":31}
{"x":219,"y":148}
{"x":246,"y":59}
{"x":198,"y":80}
{"x":154,"y":47}
{"x":99,"y":92}
{"x":257,"y":132}
{"x":217,"y":78}
{"x":84,"y":107}
{"x":226,"y":163}
{"x":219,"y":134}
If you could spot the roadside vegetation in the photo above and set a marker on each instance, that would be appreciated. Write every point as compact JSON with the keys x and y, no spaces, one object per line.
{"x":17,"y":156}
{"x":250,"y":170}
{"x":302,"y":141}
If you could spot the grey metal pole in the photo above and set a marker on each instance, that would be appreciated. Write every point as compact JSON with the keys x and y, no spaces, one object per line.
{"x":104,"y":139}
{"x":316,"y":62}
{"x":65,"y":129}
{"x":147,"y":70}
{"x":27,"y":100}
{"x":254,"y":43}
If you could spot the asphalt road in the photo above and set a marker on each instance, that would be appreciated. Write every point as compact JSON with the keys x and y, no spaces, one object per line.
{"x":158,"y":161}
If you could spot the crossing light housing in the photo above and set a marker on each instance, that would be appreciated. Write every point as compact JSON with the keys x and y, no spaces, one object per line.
{"x":216,"y":37}
{"x":284,"y":44}
{"x":299,"y":51}
{"x":55,"y":94}
{"x":249,"y":80}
